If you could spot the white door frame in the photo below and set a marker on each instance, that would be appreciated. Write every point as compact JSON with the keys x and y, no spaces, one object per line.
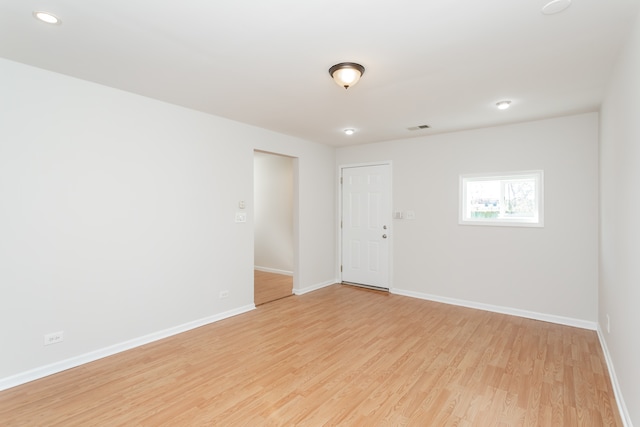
{"x":339,"y":216}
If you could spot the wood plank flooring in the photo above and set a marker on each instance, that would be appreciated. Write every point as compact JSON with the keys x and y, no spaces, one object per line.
{"x":269,"y":287}
{"x":337,"y":356}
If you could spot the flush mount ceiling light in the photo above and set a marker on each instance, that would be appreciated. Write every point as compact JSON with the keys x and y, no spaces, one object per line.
{"x":47,"y":17}
{"x":503,"y":105}
{"x":555,"y":6}
{"x":346,"y":74}
{"x":349,"y":131}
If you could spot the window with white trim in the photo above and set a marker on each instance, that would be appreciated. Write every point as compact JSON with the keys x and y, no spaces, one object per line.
{"x":514,"y":198}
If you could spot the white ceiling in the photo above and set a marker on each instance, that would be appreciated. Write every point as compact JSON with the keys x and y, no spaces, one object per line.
{"x":444,"y":63}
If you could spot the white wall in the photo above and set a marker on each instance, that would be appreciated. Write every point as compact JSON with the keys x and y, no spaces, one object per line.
{"x":273,"y":212}
{"x":550,"y":271}
{"x":117,"y":217}
{"x":619,"y":289}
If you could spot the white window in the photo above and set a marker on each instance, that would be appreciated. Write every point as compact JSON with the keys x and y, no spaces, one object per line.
{"x":514,"y":198}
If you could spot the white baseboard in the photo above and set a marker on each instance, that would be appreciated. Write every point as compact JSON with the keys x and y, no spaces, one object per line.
{"x":622,"y":407}
{"x":54,"y":368}
{"x":312,"y":288}
{"x":273,"y":270}
{"x":578,"y":323}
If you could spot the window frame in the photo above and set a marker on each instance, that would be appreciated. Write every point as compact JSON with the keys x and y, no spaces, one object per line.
{"x":536,"y":221}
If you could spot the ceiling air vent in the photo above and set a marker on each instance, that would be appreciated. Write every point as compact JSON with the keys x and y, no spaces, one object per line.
{"x":419,"y":127}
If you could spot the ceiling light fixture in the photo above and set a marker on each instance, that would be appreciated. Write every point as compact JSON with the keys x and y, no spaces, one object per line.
{"x":503,"y":105}
{"x":349,"y":131}
{"x":346,"y":74}
{"x":555,"y":6}
{"x":47,"y":17}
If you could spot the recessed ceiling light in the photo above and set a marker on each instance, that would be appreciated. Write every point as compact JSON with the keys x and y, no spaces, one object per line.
{"x":47,"y":17}
{"x":555,"y":6}
{"x":503,"y":105}
{"x":349,"y":131}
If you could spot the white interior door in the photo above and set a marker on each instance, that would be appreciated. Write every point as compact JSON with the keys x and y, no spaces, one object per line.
{"x":366,"y":225}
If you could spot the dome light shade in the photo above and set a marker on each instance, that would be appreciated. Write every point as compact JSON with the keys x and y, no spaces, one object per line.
{"x":346,"y":74}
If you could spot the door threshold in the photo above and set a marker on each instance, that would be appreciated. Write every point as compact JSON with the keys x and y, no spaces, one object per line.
{"x":273,"y":300}
{"x":371,"y":287}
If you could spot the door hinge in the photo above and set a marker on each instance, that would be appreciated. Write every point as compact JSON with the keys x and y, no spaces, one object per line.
{"x":340,"y":223}
{"x":340,"y":269}
{"x":340,"y":180}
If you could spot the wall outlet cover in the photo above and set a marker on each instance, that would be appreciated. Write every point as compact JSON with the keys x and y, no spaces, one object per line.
{"x":53,"y":338}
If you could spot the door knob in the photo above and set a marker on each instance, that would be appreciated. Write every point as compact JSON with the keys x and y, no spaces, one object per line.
{"x":384,"y":236}
{"x":384,"y":227}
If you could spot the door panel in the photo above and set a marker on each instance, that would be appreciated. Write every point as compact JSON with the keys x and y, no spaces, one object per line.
{"x":366,"y":221}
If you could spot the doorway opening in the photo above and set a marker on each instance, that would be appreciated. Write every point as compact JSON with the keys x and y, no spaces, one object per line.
{"x":275,"y":207}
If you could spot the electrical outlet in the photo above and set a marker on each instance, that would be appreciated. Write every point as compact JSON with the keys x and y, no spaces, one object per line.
{"x":53,"y":338}
{"x":608,"y":324}
{"x":224,"y":294}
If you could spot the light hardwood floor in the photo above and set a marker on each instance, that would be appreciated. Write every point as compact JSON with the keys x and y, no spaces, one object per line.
{"x":337,"y":356}
{"x":269,"y":287}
